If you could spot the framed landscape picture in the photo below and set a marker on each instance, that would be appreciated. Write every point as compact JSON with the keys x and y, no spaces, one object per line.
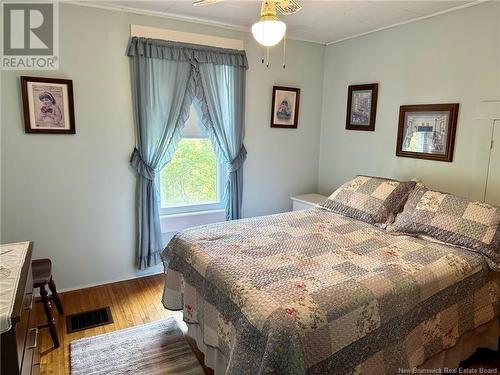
{"x":48,"y":105}
{"x":285,"y":107}
{"x":427,"y":131}
{"x":362,"y":107}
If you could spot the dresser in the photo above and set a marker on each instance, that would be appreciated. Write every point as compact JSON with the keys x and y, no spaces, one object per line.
{"x":305,"y":201}
{"x":19,"y":335}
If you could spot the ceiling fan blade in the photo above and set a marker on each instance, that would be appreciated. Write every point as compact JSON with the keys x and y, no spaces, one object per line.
{"x":205,"y":2}
{"x":287,"y":7}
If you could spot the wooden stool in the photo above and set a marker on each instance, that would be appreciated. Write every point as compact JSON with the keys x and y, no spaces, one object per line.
{"x":42,"y":276}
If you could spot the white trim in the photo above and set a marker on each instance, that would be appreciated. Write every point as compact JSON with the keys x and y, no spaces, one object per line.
{"x":170,"y":224}
{"x":191,"y":209}
{"x":92,"y":285}
{"x":246,"y":30}
{"x":311,"y":199}
{"x":145,"y":12}
{"x":176,"y":17}
{"x":191,"y":213}
{"x":489,"y":109}
{"x":185,"y":37}
{"x":459,"y":7}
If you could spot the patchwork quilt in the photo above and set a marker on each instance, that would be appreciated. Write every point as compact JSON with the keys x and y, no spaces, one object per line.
{"x":318,"y":293}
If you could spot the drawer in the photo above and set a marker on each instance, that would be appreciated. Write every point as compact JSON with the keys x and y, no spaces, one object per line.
{"x":27,"y":362}
{"x":36,"y":370}
{"x":33,"y":325}
{"x":36,"y":354}
{"x":30,"y":348}
{"x":28,"y":289}
{"x":22,"y":327}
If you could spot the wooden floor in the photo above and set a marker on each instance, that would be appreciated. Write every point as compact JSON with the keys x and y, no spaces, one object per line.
{"x":132,"y":302}
{"x":135,"y":302}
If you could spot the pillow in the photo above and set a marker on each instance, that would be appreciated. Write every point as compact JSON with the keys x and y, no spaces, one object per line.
{"x":389,"y":227}
{"x":374,"y":200}
{"x":454,"y":220}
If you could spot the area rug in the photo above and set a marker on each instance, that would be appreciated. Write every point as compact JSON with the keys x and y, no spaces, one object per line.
{"x":152,"y":348}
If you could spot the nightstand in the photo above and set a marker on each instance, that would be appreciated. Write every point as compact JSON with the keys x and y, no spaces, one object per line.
{"x":305,"y":201}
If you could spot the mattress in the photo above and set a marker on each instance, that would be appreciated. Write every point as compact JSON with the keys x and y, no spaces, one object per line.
{"x":315,"y":292}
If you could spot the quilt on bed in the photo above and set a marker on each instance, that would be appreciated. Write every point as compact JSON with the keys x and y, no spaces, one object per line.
{"x":315,"y":292}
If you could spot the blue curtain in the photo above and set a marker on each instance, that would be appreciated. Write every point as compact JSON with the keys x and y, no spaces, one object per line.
{"x":221,"y":90}
{"x":161,"y":100}
{"x":165,"y":78}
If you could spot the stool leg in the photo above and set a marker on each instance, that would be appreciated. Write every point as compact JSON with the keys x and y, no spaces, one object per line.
{"x":55,"y":296}
{"x":50,"y":319}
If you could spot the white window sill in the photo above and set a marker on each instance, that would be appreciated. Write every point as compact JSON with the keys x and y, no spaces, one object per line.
{"x":190,"y":213}
{"x":178,"y":221}
{"x":191,"y":208}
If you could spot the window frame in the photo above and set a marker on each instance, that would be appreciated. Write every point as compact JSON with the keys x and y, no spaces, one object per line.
{"x":199,"y":207}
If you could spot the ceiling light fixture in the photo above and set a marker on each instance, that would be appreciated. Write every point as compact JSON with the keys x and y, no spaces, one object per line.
{"x":269,"y":30}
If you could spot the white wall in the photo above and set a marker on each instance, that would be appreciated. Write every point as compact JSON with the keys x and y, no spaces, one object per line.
{"x":74,"y":195}
{"x":452,"y":58}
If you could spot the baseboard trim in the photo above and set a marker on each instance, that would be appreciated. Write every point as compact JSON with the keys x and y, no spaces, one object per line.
{"x":93,"y":285}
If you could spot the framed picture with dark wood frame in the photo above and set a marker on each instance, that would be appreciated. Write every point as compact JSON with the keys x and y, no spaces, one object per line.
{"x":427,"y":131}
{"x":285,"y":107}
{"x":361,"y":107}
{"x":48,"y":105}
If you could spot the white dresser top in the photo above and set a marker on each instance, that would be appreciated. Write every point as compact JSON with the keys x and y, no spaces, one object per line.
{"x":313,"y":199}
{"x":12,"y":258}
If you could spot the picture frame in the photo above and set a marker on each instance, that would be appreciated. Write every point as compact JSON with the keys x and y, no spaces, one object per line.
{"x":361,"y":107}
{"x":48,"y":105}
{"x":285,"y":107}
{"x":427,"y":131}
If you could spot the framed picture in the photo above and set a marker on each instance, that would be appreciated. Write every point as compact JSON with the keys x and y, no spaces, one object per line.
{"x":427,"y":131}
{"x":48,"y":105}
{"x":285,"y":107}
{"x":361,"y":107}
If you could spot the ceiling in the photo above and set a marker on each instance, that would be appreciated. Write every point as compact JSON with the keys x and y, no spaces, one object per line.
{"x":318,"y":21}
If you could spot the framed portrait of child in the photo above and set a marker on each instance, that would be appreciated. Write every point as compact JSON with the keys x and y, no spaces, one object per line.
{"x":48,"y":105}
{"x":285,"y":107}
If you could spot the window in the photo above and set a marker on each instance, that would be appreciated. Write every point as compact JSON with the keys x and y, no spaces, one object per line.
{"x":193,"y":179}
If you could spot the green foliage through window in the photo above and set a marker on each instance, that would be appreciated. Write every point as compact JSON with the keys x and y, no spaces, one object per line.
{"x":191,"y":175}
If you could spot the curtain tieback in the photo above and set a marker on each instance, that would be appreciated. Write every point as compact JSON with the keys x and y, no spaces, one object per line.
{"x":237,"y":162}
{"x":138,"y":163}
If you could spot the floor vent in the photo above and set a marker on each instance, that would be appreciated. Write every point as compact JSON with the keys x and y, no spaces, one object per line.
{"x":88,"y":319}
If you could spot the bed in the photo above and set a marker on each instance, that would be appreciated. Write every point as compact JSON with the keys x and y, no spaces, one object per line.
{"x":318,"y":292}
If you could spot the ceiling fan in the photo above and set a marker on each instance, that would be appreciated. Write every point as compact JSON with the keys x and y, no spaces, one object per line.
{"x":269,"y":30}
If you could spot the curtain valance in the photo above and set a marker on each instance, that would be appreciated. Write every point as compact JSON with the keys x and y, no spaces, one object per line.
{"x":177,"y":51}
